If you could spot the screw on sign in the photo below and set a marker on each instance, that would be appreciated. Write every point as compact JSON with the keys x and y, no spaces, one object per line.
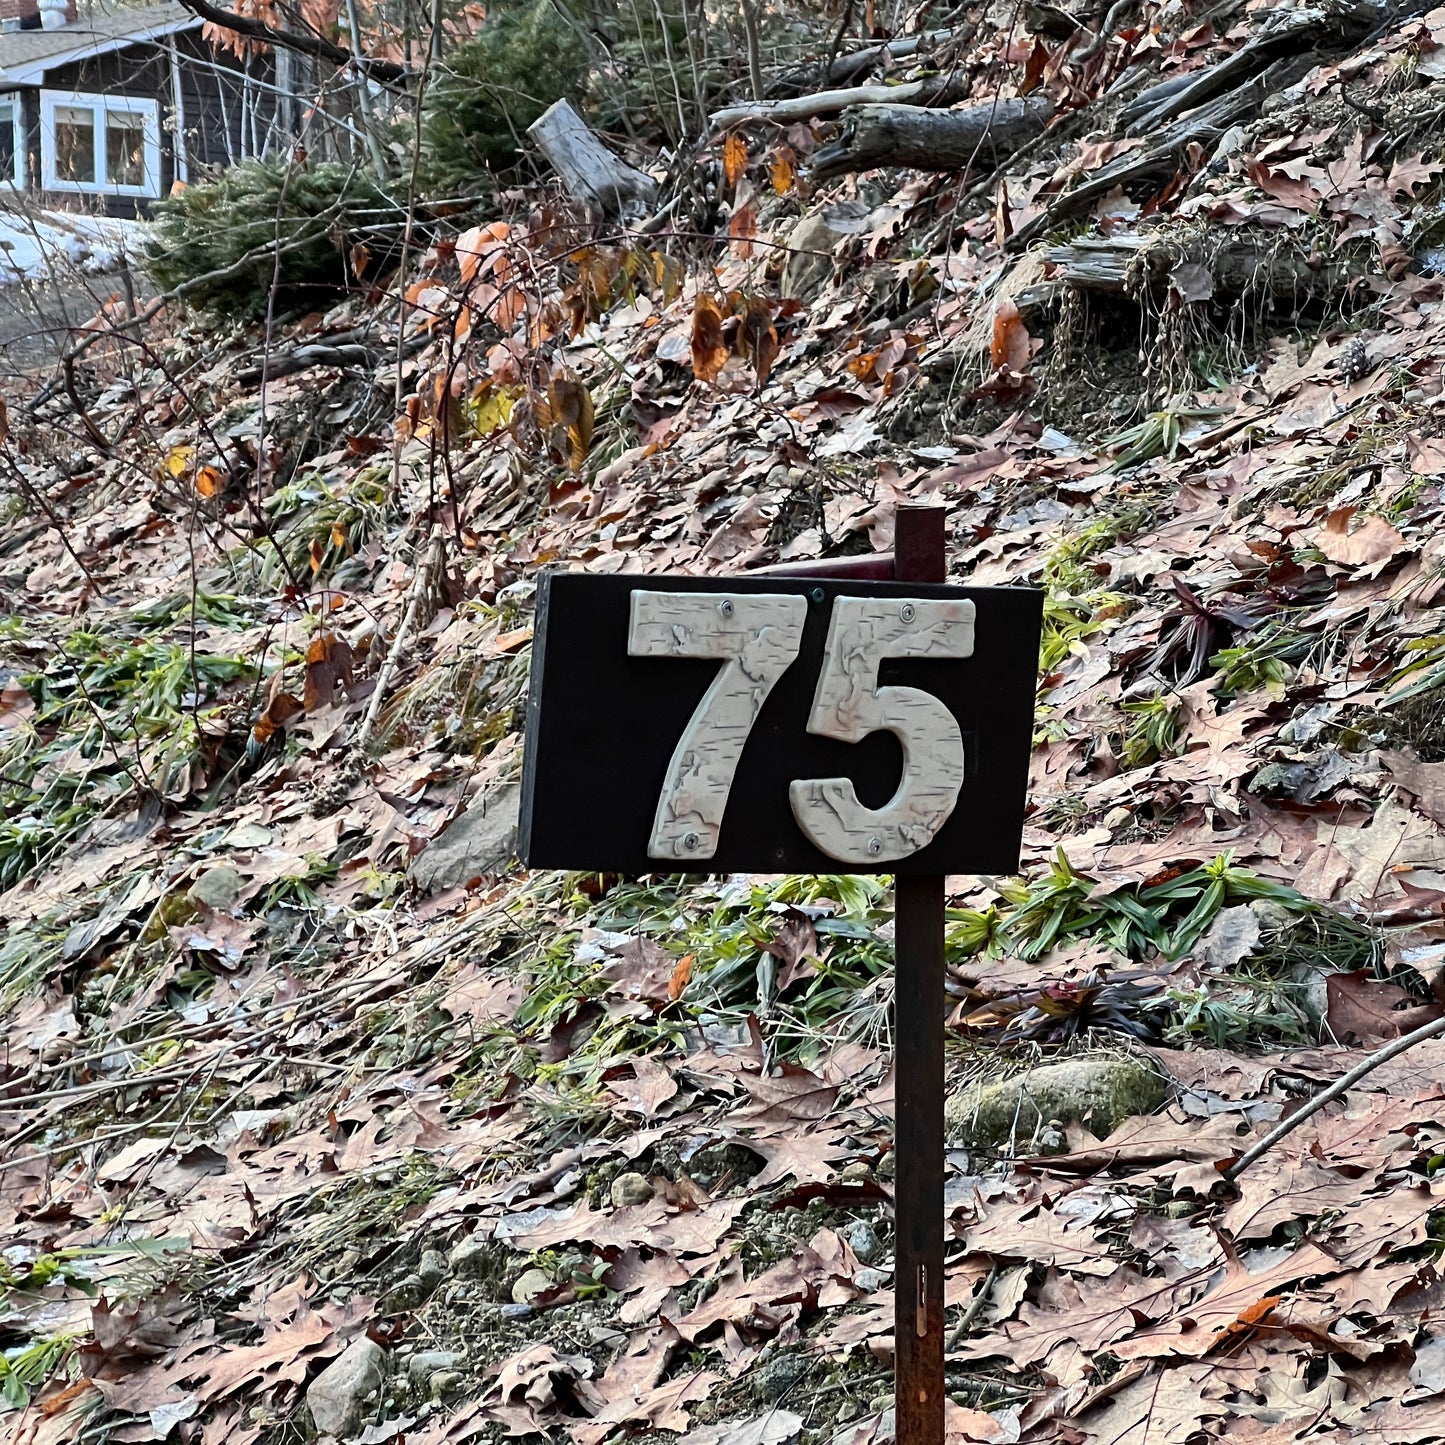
{"x":856,"y":712}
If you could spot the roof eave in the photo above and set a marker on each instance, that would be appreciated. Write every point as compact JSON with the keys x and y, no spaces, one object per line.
{"x":33,"y":72}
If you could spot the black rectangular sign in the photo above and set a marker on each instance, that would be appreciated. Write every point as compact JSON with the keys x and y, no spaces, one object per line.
{"x":769,"y":725}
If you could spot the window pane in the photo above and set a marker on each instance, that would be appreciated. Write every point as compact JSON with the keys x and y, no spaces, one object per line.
{"x":7,"y":141}
{"x":125,"y":150}
{"x":74,"y":143}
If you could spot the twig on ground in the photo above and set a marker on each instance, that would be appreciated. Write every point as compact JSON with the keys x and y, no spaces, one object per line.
{"x":424,"y":570}
{"x":1341,"y":1085}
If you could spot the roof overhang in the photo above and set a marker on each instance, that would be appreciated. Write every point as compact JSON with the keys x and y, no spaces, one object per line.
{"x":92,"y":42}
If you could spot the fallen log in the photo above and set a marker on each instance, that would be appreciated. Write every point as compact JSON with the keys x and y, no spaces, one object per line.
{"x":589,"y":170}
{"x":1199,"y":266}
{"x":931,"y":140}
{"x":931,"y":90}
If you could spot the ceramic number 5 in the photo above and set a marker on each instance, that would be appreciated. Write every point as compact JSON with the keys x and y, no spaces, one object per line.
{"x":849,"y":704}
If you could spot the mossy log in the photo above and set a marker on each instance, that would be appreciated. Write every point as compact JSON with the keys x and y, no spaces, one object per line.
{"x":932,"y":140}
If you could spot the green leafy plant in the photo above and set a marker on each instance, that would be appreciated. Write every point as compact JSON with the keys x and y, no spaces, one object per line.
{"x":493,"y":86}
{"x":24,"y":1368}
{"x":220,"y":237}
{"x":1158,"y":435}
{"x":1264,"y":661}
{"x":1165,"y":916}
{"x":1154,"y":730}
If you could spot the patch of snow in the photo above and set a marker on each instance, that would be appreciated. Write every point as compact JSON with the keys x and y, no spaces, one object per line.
{"x":33,"y":241}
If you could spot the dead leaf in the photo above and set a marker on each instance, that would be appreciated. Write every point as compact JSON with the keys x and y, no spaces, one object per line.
{"x":568,"y":417}
{"x":758,"y":338}
{"x":328,"y":666}
{"x":1373,"y":541}
{"x":742,"y":230}
{"x":780,"y":171}
{"x":709,"y":350}
{"x":1363,"y":1010}
{"x":1010,"y":346}
{"x":735,"y":158}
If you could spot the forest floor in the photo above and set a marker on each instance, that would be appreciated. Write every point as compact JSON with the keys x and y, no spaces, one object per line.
{"x":322,"y":1117}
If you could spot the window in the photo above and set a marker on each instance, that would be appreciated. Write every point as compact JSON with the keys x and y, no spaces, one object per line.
{"x":12,"y":141}
{"x":100,"y":144}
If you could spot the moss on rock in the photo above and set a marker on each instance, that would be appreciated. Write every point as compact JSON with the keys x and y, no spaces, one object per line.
{"x":1099,"y":1091}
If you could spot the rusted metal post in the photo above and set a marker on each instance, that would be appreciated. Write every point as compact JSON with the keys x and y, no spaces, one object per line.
{"x":920,"y":555}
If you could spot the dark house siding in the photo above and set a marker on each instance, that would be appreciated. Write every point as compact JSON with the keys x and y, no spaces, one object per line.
{"x":229,"y":107}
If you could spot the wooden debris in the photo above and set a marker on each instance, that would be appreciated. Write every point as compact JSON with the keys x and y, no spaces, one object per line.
{"x":932,"y":90}
{"x":589,"y":170}
{"x":907,"y":135}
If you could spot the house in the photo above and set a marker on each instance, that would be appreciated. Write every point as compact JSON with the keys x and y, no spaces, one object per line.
{"x":107,"y":109}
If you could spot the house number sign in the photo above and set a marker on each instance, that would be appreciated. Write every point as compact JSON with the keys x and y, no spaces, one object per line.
{"x":810,"y":724}
{"x":777,"y":724}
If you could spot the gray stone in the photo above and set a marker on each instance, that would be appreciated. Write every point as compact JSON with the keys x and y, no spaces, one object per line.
{"x":864,"y":1242}
{"x":870,"y":1280}
{"x":337,"y":1396}
{"x":425,"y":1363}
{"x":776,"y":1377}
{"x":217,"y":888}
{"x":433,"y":1268}
{"x":529,"y":1285}
{"x":630,"y":1189}
{"x":406,"y":1294}
{"x":810,"y":247}
{"x":482,"y":840}
{"x":1099,"y":1091}
{"x":475,"y":1257}
{"x":445,"y":1383}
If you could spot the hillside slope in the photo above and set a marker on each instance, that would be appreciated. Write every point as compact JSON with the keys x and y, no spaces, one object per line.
{"x":320,"y":1116}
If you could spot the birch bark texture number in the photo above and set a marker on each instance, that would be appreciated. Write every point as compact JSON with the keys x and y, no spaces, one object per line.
{"x":849,"y":704}
{"x":757,"y":636}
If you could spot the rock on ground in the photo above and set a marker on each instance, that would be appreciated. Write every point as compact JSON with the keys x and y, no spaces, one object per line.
{"x":482,"y":840}
{"x":337,"y":1396}
{"x":1099,"y":1091}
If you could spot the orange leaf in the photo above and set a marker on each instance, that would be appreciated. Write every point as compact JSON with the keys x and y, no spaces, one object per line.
{"x":209,"y":481}
{"x":735,"y":158}
{"x":709,"y":350}
{"x":780,"y":172}
{"x":741,"y":229}
{"x":360,"y":258}
{"x":1010,"y":338}
{"x":280,"y":708}
{"x":477,"y":244}
{"x":328,"y":663}
{"x":758,"y":338}
{"x":680,"y":977}
{"x":567,"y":414}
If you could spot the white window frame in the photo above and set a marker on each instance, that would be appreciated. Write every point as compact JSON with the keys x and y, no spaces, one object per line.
{"x":16,"y":101}
{"x":104,"y":106}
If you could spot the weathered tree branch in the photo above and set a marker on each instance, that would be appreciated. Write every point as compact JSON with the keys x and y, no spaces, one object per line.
{"x":1341,"y":1085}
{"x":387,"y":72}
{"x":931,"y":90}
{"x":932,"y":140}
